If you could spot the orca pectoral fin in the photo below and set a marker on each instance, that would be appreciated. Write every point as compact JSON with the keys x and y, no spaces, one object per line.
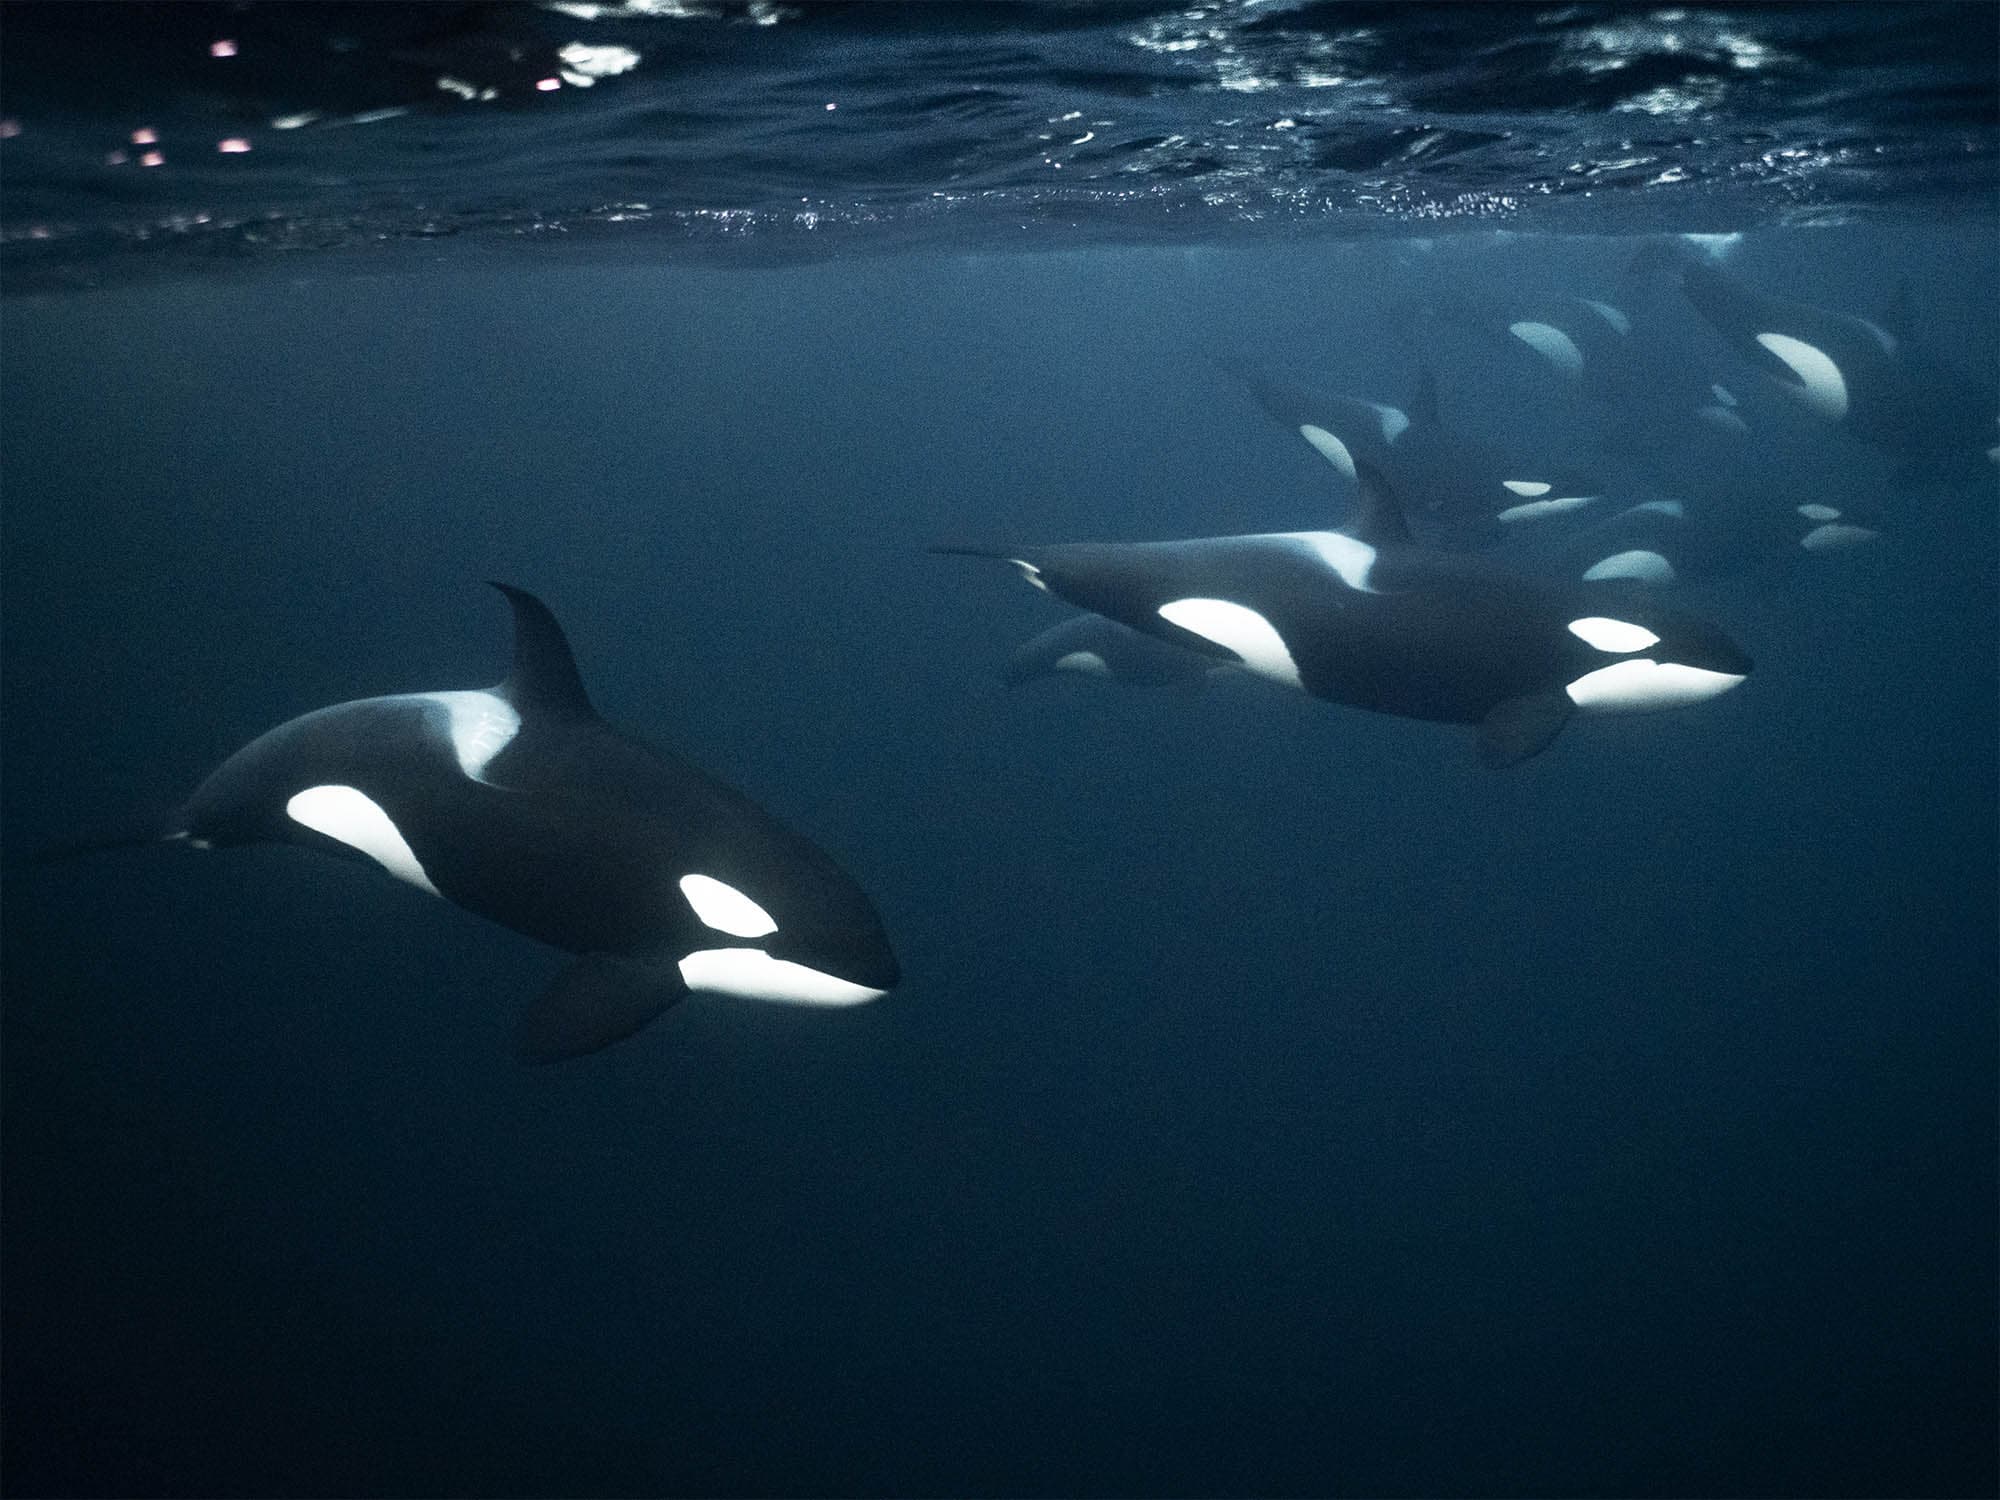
{"x":596,"y":1001}
{"x":1520,"y":728}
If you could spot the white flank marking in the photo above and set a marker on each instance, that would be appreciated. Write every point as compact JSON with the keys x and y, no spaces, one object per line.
{"x":1527,"y":489}
{"x":482,"y":725}
{"x":1647,"y":567}
{"x":1535,"y":510}
{"x":1612,"y":635}
{"x":1555,"y":346}
{"x":1331,"y":448}
{"x":1643,"y":685}
{"x":1723,"y":418}
{"x":1238,"y":629}
{"x":1717,"y":247}
{"x":1083,"y":661}
{"x":1394,"y":422}
{"x":752,"y":974}
{"x":354,"y":819}
{"x":725,"y":908}
{"x":1614,"y":316}
{"x":1821,"y":385}
{"x":1724,"y":394}
{"x":1836,"y":536}
{"x":1346,"y":555}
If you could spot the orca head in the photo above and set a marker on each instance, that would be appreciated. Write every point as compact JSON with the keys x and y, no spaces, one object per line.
{"x":1631,"y":654}
{"x":818,"y":942}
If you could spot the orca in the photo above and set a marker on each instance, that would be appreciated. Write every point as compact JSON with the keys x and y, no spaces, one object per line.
{"x":1652,"y":402}
{"x":1466,"y":492}
{"x":1341,"y":429}
{"x":1367,"y":618}
{"x":1092,"y":646}
{"x":519,"y":803}
{"x":1873,"y":381}
{"x":1729,"y":535}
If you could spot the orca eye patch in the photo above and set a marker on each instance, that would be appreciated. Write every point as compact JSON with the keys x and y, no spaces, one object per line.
{"x":726,"y":909}
{"x":1617,"y":636}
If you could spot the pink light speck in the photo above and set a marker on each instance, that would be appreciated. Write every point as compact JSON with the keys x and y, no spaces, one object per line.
{"x":152,"y":159}
{"x":145,"y":135}
{"x":223,"y":48}
{"x":234,"y":146}
{"x":548,"y":85}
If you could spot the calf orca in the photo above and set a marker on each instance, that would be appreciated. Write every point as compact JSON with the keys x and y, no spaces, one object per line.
{"x":519,"y":803}
{"x":1852,"y":373}
{"x":1366,"y":618}
{"x":1092,"y":646}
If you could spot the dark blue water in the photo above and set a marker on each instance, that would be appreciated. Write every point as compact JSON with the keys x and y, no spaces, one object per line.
{"x":1276,"y":1101}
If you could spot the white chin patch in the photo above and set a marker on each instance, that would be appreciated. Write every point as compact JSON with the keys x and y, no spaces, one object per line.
{"x":1536,"y":510}
{"x":1643,"y":685}
{"x":1088,"y":662}
{"x":1237,"y":629}
{"x":1549,"y":341}
{"x":1818,"y":512}
{"x":353,"y":818}
{"x":1612,"y":635}
{"x":1723,"y":395}
{"x":1527,"y":489}
{"x":482,"y":725}
{"x":1722,"y":419}
{"x":1836,"y":536}
{"x":1348,"y":556}
{"x":726,"y":909}
{"x":1329,"y":447}
{"x":752,"y":974}
{"x":1647,"y":567}
{"x":1821,"y":385}
{"x":1612,"y":315}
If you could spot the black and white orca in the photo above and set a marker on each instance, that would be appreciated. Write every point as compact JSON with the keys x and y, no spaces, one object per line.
{"x":518,"y":802}
{"x":1092,"y":646}
{"x":1365,"y":617}
{"x":1652,"y":401}
{"x":1847,"y":371}
{"x":1465,"y":491}
{"x":1660,"y":541}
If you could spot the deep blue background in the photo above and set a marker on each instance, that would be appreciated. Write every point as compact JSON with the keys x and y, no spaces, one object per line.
{"x":1276,"y":1102}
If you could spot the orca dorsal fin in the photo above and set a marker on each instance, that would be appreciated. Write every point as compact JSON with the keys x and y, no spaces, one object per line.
{"x":543,"y":680}
{"x":1377,"y":517}
{"x":1423,"y":405}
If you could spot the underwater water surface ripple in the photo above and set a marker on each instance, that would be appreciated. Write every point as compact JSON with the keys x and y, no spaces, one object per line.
{"x":179,"y":136}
